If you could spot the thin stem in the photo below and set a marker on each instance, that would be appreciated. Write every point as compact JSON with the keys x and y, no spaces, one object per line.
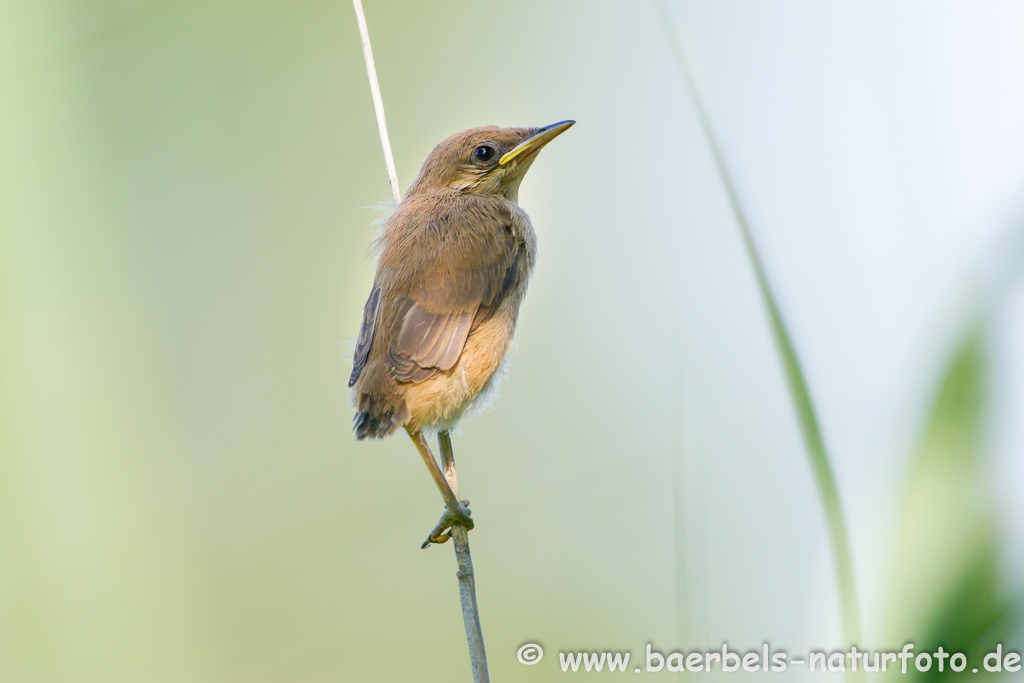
{"x":444,"y":439}
{"x":467,"y":580}
{"x":820,"y":465}
{"x":448,"y":482}
{"x":378,"y":103}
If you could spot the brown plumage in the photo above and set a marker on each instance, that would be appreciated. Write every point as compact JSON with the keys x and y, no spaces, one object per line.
{"x":455,"y":258}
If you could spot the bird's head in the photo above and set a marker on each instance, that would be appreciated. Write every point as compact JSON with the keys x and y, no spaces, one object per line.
{"x":487,"y":160}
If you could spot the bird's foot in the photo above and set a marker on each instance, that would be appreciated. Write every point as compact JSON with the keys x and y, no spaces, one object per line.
{"x":442,"y":532}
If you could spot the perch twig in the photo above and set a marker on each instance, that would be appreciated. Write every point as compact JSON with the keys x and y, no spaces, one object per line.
{"x":378,"y":103}
{"x":450,"y":481}
{"x":467,"y":580}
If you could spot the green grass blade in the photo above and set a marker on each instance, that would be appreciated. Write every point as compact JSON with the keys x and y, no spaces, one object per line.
{"x":820,"y":465}
{"x":949,"y":586}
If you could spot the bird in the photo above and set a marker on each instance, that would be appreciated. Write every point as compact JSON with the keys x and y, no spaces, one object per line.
{"x":454,"y":261}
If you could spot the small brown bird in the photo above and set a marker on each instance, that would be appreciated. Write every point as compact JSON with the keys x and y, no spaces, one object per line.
{"x":455,"y":258}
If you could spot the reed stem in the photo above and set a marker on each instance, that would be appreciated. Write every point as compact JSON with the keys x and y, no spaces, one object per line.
{"x":459,"y":534}
{"x":467,"y":579}
{"x":378,"y":102}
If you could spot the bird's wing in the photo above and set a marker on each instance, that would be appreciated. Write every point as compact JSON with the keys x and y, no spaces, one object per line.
{"x":463,"y":277}
{"x":365,"y":335}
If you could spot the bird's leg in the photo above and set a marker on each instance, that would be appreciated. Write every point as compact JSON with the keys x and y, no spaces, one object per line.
{"x":456,"y":513}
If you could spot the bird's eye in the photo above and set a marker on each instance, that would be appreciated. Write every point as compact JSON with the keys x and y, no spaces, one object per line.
{"x":483,"y":153}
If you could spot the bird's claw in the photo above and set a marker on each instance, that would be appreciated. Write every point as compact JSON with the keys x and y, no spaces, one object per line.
{"x":442,"y":531}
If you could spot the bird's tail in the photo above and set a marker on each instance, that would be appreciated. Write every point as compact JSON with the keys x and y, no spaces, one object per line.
{"x":378,"y":413}
{"x":376,"y":424}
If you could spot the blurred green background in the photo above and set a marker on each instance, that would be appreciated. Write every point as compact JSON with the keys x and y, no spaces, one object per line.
{"x":186,"y":207}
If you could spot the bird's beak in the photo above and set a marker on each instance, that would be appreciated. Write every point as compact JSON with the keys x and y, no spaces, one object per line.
{"x":533,"y":144}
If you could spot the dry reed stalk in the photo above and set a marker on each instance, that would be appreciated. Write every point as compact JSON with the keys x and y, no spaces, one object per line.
{"x":459,"y":534}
